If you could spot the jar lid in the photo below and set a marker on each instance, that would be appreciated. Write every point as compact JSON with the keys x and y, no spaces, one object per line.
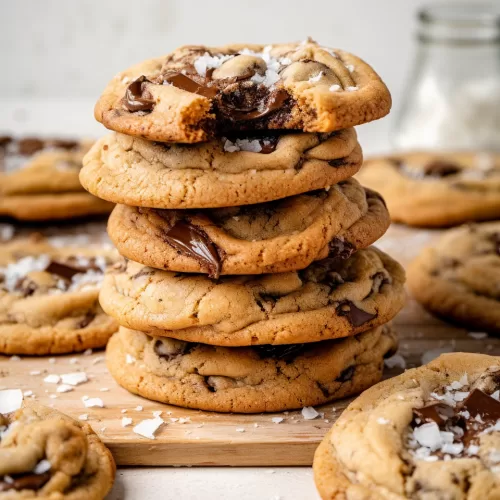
{"x":460,"y":23}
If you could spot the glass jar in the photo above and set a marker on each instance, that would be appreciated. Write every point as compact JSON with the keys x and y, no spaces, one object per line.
{"x":453,"y":97}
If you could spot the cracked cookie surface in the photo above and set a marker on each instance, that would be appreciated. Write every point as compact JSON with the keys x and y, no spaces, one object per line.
{"x":431,"y":190}
{"x":248,"y":379}
{"x":428,"y":434}
{"x":46,"y":455}
{"x":195,"y":92}
{"x":49,"y":298}
{"x":39,"y":180}
{"x":458,"y":279}
{"x":272,"y":237}
{"x":329,"y":299}
{"x":137,"y":172}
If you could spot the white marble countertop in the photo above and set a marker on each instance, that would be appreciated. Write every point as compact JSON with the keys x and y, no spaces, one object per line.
{"x":75,"y":118}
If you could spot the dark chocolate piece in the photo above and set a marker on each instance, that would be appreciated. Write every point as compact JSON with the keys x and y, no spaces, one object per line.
{"x":183,"y":82}
{"x":63,"y":270}
{"x":136,"y":96}
{"x":286,"y":352}
{"x":193,"y":242}
{"x":275,"y":101}
{"x":480,"y":403}
{"x":436,"y":412}
{"x":354,"y":314}
{"x":30,"y":146}
{"x":441,"y":168}
{"x":346,"y":374}
{"x":25,"y":482}
{"x":340,"y":249}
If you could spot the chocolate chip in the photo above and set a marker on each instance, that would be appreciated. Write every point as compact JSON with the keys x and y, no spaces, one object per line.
{"x":346,"y":374}
{"x":143,"y":272}
{"x":338,"y":162}
{"x":441,"y":168}
{"x":354,"y":314}
{"x":88,"y":318}
{"x":340,"y":249}
{"x":64,"y":270}
{"x":30,"y":146}
{"x":137,"y":98}
{"x":185,"y":83}
{"x":193,"y":241}
{"x":436,"y":412}
{"x":25,"y":482}
{"x":4,"y":140}
{"x":262,"y":107}
{"x":63,"y":143}
{"x":285,"y":352}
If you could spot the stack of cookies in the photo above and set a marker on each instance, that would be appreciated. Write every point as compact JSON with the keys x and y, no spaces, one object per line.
{"x":249,"y":283}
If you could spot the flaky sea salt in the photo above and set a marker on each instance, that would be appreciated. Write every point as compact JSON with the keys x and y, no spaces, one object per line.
{"x":42,"y":467}
{"x":477,"y":335}
{"x":206,"y":61}
{"x":129,"y":359}
{"x":316,"y":78}
{"x":52,"y":379}
{"x":277,"y":420}
{"x":6,"y":232}
{"x":383,"y":421}
{"x":75,"y":378}
{"x":147,"y":428}
{"x":352,"y":89}
{"x":395,"y":361}
{"x":93,"y":402}
{"x":126,"y":421}
{"x":309,"y":413}
{"x":335,"y":88}
{"x":64,"y":388}
{"x":10,"y":400}
{"x":84,"y":416}
{"x":428,"y":435}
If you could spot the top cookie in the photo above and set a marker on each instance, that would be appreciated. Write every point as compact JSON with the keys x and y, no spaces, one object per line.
{"x":195,"y":92}
{"x":431,"y":433}
{"x":46,"y":455}
{"x":430,"y":190}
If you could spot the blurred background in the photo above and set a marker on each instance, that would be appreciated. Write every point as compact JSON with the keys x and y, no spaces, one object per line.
{"x":58,"y":55}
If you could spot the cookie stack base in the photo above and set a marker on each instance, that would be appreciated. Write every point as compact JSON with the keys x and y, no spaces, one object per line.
{"x":248,"y":379}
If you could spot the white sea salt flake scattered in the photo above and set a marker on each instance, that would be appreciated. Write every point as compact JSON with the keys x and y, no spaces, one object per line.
{"x":316,"y":78}
{"x":6,"y":232}
{"x":27,"y":393}
{"x":184,"y":420}
{"x":452,"y":448}
{"x":10,"y":400}
{"x":92,"y":402}
{"x":148,"y":427}
{"x":124,"y":411}
{"x":75,"y":378}
{"x":206,"y":61}
{"x":52,"y":379}
{"x":335,"y":88}
{"x":285,"y":61}
{"x":64,"y":388}
{"x":350,"y":67}
{"x":309,"y":413}
{"x":14,"y":358}
{"x":351,"y":89}
{"x":52,"y":361}
{"x":104,"y":389}
{"x":73,"y":361}
{"x":239,"y":429}
{"x":494,"y":456}
{"x":256,"y":425}
{"x":8,"y":479}
{"x":126,"y":421}
{"x":473,"y":449}
{"x":83,"y":417}
{"x":129,"y":359}
{"x":383,"y":421}
{"x":173,"y":419}
{"x":42,"y":467}
{"x":460,"y":395}
{"x":496,"y":395}
{"x":477,"y":335}
{"x":428,"y":435}
{"x":87,"y":352}
{"x":447,"y":397}
{"x":139,"y":408}
{"x":97,"y":360}
{"x":395,"y":361}
{"x":53,"y":396}
{"x":157,"y":413}
{"x":277,"y":420}
{"x":35,"y":372}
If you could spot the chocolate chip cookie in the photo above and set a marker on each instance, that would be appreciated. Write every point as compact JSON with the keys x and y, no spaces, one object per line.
{"x":431,"y":433}
{"x":272,"y":237}
{"x":329,"y":299}
{"x":49,"y":298}
{"x":459,"y":278}
{"x":45,"y":454}
{"x":137,"y":172}
{"x":248,"y":379}
{"x":39,"y":180}
{"x":195,"y":92}
{"x":431,"y":190}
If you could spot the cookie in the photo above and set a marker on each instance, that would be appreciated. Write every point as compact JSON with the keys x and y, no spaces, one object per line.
{"x":49,"y":298}
{"x":248,"y":379}
{"x":272,"y":237}
{"x":39,"y":180}
{"x":140,"y":173}
{"x":431,"y":190}
{"x":48,"y":455}
{"x":195,"y":92}
{"x":458,"y":279}
{"x":430,"y":433}
{"x":329,"y":299}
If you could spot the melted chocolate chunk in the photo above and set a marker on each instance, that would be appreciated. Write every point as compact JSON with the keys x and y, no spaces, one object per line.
{"x":285,"y":352}
{"x":4,"y":140}
{"x":495,"y":238}
{"x":64,"y":144}
{"x":30,"y":146}
{"x":137,"y":98}
{"x":346,"y":374}
{"x":181,"y":349}
{"x":436,"y":412}
{"x":89,"y":317}
{"x":480,"y":403}
{"x":354,"y":314}
{"x":64,"y":270}
{"x":193,"y":242}
{"x":337,"y":162}
{"x":25,"y":482}
{"x":441,"y":168}
{"x":185,"y":83}
{"x":339,"y":249}
{"x":263,"y":107}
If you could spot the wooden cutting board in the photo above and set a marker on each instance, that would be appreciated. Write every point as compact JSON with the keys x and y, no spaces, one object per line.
{"x":202,"y":438}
